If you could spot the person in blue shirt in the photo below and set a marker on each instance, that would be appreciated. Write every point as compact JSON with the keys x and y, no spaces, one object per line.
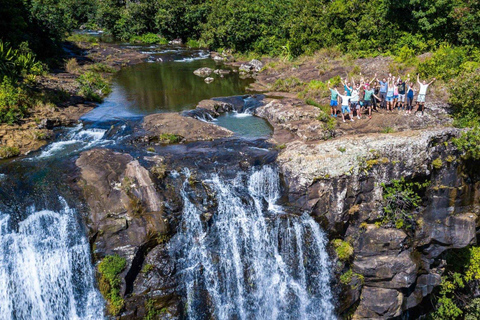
{"x":333,"y":100}
{"x":383,"y":92}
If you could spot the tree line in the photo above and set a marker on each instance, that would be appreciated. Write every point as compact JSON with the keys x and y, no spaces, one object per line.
{"x":274,"y":27}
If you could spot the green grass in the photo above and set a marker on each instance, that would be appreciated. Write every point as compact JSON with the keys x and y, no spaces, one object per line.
{"x":8,"y":152}
{"x":149,"y":38}
{"x":110,"y":268}
{"x":170,"y":138}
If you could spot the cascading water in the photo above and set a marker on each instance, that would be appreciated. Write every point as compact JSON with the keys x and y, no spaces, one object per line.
{"x":252,"y":260}
{"x":45,"y":269}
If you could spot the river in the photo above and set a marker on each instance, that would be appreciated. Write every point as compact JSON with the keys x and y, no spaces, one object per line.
{"x":256,"y":260}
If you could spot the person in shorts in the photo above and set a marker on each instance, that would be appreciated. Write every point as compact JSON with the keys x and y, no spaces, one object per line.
{"x":422,"y":93}
{"x":333,"y":100}
{"x":389,"y":97}
{"x":368,"y":98}
{"x":395,"y":92}
{"x":345,"y":106}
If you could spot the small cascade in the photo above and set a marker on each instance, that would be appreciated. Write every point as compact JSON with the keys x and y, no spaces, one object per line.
{"x":252,"y":260}
{"x":45,"y":268}
{"x":76,"y":139}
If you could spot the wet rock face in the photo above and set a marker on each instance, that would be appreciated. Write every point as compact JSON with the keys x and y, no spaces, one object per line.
{"x":340,"y":182}
{"x":126,"y":217}
{"x":203,"y":72}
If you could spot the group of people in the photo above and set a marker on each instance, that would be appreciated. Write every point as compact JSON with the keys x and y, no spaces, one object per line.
{"x":388,"y":94}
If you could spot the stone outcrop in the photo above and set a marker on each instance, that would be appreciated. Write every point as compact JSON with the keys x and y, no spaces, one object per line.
{"x":340,"y":183}
{"x":126,"y":217}
{"x":203,"y":72}
{"x":183,"y":129}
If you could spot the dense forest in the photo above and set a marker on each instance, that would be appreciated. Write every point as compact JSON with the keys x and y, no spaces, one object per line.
{"x":269,"y":27}
{"x":32,"y":30}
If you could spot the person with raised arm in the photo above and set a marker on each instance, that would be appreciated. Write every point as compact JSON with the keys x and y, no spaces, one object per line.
{"x":422,"y":93}
{"x":355,"y":99}
{"x":383,"y":92}
{"x":345,"y":107}
{"x":410,"y":95}
{"x":367,"y":99}
{"x":390,"y":91}
{"x":333,"y":100}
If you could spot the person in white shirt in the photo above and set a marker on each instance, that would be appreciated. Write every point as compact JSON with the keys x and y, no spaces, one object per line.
{"x":422,"y":93}
{"x":345,"y":106}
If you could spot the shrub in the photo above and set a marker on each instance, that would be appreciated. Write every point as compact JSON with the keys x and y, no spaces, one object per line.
{"x":469,"y":143}
{"x":291,"y":84}
{"x":71,"y":66}
{"x":110,"y":268}
{"x":388,"y":130}
{"x":8,"y":152}
{"x":149,"y":38}
{"x":437,"y":163}
{"x":93,"y":86}
{"x":465,"y":98}
{"x":343,"y":249}
{"x":170,"y":138}
{"x":14,"y":102}
{"x":400,"y":199}
{"x":102,"y":67}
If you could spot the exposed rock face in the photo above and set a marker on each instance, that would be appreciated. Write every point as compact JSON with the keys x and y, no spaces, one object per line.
{"x":126,"y":217}
{"x":339,"y":181}
{"x":209,"y":80}
{"x":185,"y":128}
{"x":252,"y":66}
{"x":203,"y":72}
{"x":292,"y":122}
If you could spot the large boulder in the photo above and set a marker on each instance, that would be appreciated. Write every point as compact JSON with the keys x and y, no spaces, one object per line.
{"x":174,"y":128}
{"x":203,"y":72}
{"x":379,"y":303}
{"x":126,"y":218}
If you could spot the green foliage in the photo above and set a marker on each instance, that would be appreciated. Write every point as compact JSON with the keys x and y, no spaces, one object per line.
{"x":388,"y":130}
{"x":465,"y":98}
{"x":330,"y":123}
{"x":93,"y":86}
{"x":82,"y":37}
{"x":110,"y":268}
{"x":14,"y":102}
{"x":346,"y":277}
{"x":448,"y":62}
{"x":343,"y":249}
{"x":149,"y":38}
{"x":147,"y":268}
{"x":170,"y":138}
{"x":151,"y":313}
{"x":8,"y":152}
{"x":469,"y":143}
{"x":400,"y":199}
{"x":291,"y":84}
{"x":462,"y":271}
{"x":437,"y":163}
{"x":18,"y":63}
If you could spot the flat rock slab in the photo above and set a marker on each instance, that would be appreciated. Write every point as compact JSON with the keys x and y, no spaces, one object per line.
{"x":186,"y":128}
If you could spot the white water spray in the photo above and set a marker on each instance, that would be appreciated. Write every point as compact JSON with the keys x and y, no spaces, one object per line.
{"x":253,"y":261}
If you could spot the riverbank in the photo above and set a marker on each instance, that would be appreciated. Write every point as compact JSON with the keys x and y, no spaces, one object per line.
{"x":61,"y":101}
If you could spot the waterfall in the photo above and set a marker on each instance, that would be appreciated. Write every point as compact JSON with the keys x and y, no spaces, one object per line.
{"x":252,"y":260}
{"x":45,"y":269}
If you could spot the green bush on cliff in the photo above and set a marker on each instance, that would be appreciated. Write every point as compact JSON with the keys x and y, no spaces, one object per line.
{"x":458,"y":286}
{"x":110,"y":268}
{"x":465,"y":98}
{"x":343,"y":249}
{"x":469,"y":143}
{"x":400,"y":199}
